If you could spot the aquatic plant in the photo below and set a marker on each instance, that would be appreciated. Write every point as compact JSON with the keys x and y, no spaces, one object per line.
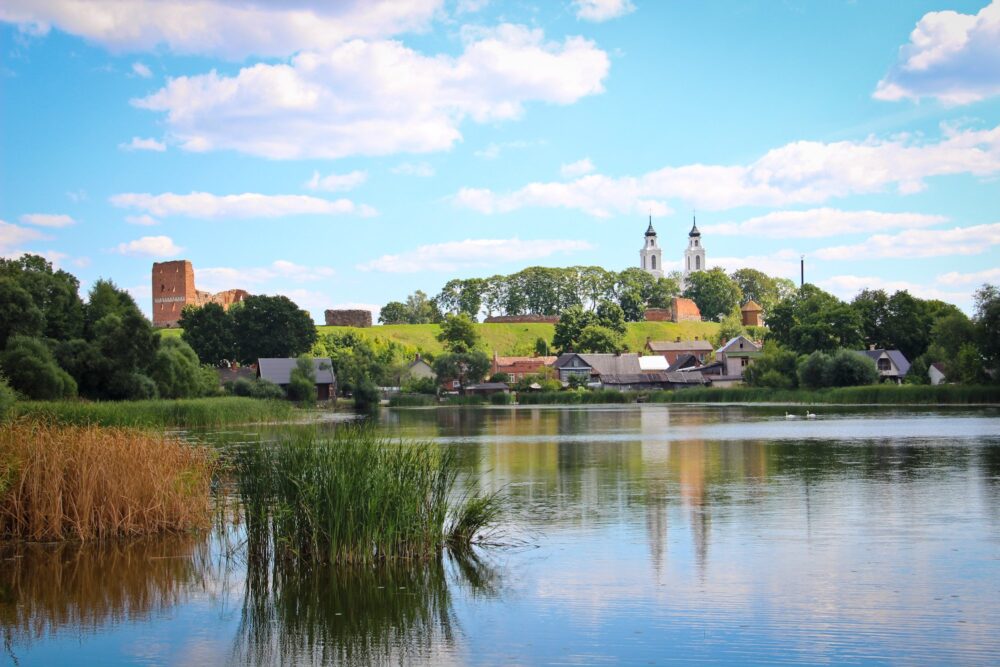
{"x":90,"y":482}
{"x":353,"y":497}
{"x":195,"y":412}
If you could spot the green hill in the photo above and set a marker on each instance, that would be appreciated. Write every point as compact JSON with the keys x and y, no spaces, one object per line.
{"x":516,"y":339}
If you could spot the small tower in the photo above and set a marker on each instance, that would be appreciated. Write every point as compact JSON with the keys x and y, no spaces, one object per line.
{"x":651,"y":257}
{"x":694,"y":256}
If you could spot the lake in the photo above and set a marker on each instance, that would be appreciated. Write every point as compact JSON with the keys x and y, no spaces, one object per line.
{"x":640,"y":534}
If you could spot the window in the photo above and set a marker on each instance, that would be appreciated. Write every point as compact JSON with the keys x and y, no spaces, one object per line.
{"x":744,"y":362}
{"x":884,"y":364}
{"x":697,"y":263}
{"x":653,"y":260}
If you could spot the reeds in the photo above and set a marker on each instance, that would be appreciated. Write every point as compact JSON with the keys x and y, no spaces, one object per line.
{"x":876,"y":394}
{"x":186,"y":413}
{"x":575,"y":397}
{"x":354,"y":497}
{"x":89,"y":482}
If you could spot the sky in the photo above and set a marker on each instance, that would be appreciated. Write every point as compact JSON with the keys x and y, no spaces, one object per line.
{"x":348,"y":153}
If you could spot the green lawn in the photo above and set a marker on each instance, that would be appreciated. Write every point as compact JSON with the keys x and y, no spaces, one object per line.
{"x":515,"y":339}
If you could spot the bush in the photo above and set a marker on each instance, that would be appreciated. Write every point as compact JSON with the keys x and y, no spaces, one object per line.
{"x":302,"y":386}
{"x":420,"y":386}
{"x":850,"y":369}
{"x":32,"y":370}
{"x":176,"y":370}
{"x":366,"y":396}
{"x":501,"y":399}
{"x":814,"y":370}
{"x":7,"y":398}
{"x":256,"y":388}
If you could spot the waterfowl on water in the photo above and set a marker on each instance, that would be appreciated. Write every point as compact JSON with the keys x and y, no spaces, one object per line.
{"x":790,"y":417}
{"x":810,"y":415}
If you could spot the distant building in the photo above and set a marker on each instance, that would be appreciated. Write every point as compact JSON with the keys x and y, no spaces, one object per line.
{"x":751,"y":314}
{"x":419,"y":369}
{"x":518,"y":368}
{"x":694,"y":256}
{"x":680,"y":310}
{"x":736,"y":355}
{"x":892,"y":364}
{"x":673,"y":350}
{"x":279,"y":371}
{"x":486,"y":389}
{"x":651,"y":256}
{"x":173,"y":289}
{"x":936,"y":373}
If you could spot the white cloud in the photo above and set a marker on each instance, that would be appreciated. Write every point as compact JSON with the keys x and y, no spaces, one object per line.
{"x":353,"y":100}
{"x":220,"y":278}
{"x":796,"y":173}
{"x":973,"y":278}
{"x":142,"y":70}
{"x":602,"y":10}
{"x":143,"y":220}
{"x":336,"y":182}
{"x":235,"y":30}
{"x":821,"y":223}
{"x":919,"y":243}
{"x":418,"y":169}
{"x":470,"y":6}
{"x":151,"y":246}
{"x":77,"y":196}
{"x":494,"y":149}
{"x":47,"y":220}
{"x":140,"y":144}
{"x":951,"y":56}
{"x":578,"y":168}
{"x":471,"y":253}
{"x":12,"y":235}
{"x":782,"y":264}
{"x":207,"y":206}
{"x":847,"y":286}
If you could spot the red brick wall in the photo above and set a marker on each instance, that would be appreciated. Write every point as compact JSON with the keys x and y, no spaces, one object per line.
{"x":522,"y":319}
{"x":686,"y":310}
{"x":659,"y":315}
{"x":173,"y":288}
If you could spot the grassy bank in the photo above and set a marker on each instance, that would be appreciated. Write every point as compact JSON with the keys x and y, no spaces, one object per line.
{"x":74,"y":482}
{"x":353,"y":497}
{"x":870,"y":395}
{"x":514,"y":339}
{"x":184,"y":413}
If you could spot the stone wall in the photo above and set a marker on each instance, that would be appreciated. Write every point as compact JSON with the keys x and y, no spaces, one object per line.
{"x":348,"y":318}
{"x":659,"y":315}
{"x":681,"y":310}
{"x":173,"y":289}
{"x":522,"y":319}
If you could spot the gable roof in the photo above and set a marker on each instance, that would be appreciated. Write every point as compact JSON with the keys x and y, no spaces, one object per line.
{"x":684,"y":361}
{"x":895,"y":356}
{"x":662,"y":377}
{"x":603,"y":364}
{"x":682,"y":346}
{"x":656,"y":362}
{"x":279,"y":370}
{"x":735,"y":345}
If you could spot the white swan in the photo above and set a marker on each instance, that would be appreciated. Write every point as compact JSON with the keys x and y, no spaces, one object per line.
{"x":790,"y":417}
{"x":810,"y":415}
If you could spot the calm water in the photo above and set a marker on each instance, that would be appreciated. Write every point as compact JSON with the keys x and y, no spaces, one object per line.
{"x":650,"y":534}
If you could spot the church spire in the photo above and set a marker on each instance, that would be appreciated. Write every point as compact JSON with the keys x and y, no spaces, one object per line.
{"x":694,"y":227}
{"x":650,"y":231}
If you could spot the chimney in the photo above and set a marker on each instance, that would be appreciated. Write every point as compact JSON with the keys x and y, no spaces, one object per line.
{"x":416,"y":357}
{"x":872,"y":347}
{"x":696,"y":338}
{"x":678,"y":339}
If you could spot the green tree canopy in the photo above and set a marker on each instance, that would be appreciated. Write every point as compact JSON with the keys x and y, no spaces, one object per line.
{"x":209,"y":331}
{"x":812,"y":320}
{"x":466,"y":367}
{"x":31,"y":369}
{"x":54,"y":293}
{"x":458,"y":333}
{"x":715,"y":293}
{"x":271,"y":326}
{"x":19,"y":316}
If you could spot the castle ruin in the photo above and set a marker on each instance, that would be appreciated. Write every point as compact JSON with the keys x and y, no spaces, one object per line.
{"x":173,"y":289}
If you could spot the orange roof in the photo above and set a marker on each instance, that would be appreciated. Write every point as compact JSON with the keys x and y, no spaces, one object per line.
{"x":751,"y":305}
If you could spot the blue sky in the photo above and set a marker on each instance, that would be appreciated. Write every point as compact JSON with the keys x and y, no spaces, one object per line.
{"x":349,"y":153}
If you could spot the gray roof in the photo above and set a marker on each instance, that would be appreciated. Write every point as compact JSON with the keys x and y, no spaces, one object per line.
{"x":680,"y":346}
{"x":279,"y":371}
{"x":897,"y":358}
{"x":662,"y":377}
{"x":684,"y":361}
{"x":734,"y":345}
{"x":604,"y":364}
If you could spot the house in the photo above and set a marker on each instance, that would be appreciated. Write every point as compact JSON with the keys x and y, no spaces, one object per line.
{"x":652,"y":380}
{"x":685,"y":362}
{"x":419,"y":369}
{"x":936,"y":373}
{"x":279,"y":371}
{"x":518,"y":368}
{"x":591,"y":367}
{"x":735,"y":356}
{"x":486,"y":389}
{"x":892,"y":365}
{"x":673,"y":350}
{"x":751,"y":314}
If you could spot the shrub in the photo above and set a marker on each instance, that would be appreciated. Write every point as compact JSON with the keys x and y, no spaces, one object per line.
{"x":850,"y":369}
{"x":257,"y":388}
{"x":500,"y":377}
{"x":420,"y":386}
{"x":32,"y":370}
{"x":302,"y":386}
{"x":366,"y":395}
{"x":176,"y":370}
{"x":7,"y":398}
{"x":814,"y":370}
{"x":501,"y":399}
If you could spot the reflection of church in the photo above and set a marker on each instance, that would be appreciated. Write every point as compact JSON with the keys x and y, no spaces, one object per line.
{"x":651,"y":258}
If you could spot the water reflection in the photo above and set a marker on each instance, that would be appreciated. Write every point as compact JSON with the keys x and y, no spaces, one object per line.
{"x":390,"y":614}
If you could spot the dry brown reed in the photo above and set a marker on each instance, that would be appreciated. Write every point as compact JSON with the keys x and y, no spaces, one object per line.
{"x":91,"y":482}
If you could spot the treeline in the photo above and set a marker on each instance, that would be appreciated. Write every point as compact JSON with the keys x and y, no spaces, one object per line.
{"x":540,"y":290}
{"x":809,"y":329}
{"x":56,"y":346}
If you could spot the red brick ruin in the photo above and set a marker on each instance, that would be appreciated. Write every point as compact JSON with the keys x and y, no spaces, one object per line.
{"x":173,"y":289}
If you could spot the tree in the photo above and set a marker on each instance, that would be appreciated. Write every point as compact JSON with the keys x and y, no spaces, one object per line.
{"x":465,"y":367}
{"x":209,"y":332}
{"x":176,"y":371}
{"x":458,"y":333}
{"x":812,"y":320}
{"x":987,"y":320}
{"x":850,"y":369}
{"x":714,"y":292}
{"x":30,"y":368}
{"x":422,"y":310}
{"x":814,"y":371}
{"x":757,"y":286}
{"x":871,"y":306}
{"x":611,"y":316}
{"x":54,"y":293}
{"x":731,"y":327}
{"x":907,"y":325}
{"x":598,"y":338}
{"x":19,"y":316}
{"x":271,"y":326}
{"x":775,"y":368}
{"x":394,"y":312}
{"x":541,"y":347}
{"x":302,"y":384}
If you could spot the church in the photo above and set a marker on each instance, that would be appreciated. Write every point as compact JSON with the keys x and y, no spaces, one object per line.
{"x":651,"y":255}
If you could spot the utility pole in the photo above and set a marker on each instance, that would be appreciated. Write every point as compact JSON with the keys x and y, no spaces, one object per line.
{"x":802,"y":271}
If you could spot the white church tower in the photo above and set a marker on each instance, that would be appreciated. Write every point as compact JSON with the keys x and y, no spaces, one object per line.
{"x":651,"y":257}
{"x":694,"y":256}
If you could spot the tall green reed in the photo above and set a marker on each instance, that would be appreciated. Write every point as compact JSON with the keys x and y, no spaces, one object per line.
{"x":195,"y":412}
